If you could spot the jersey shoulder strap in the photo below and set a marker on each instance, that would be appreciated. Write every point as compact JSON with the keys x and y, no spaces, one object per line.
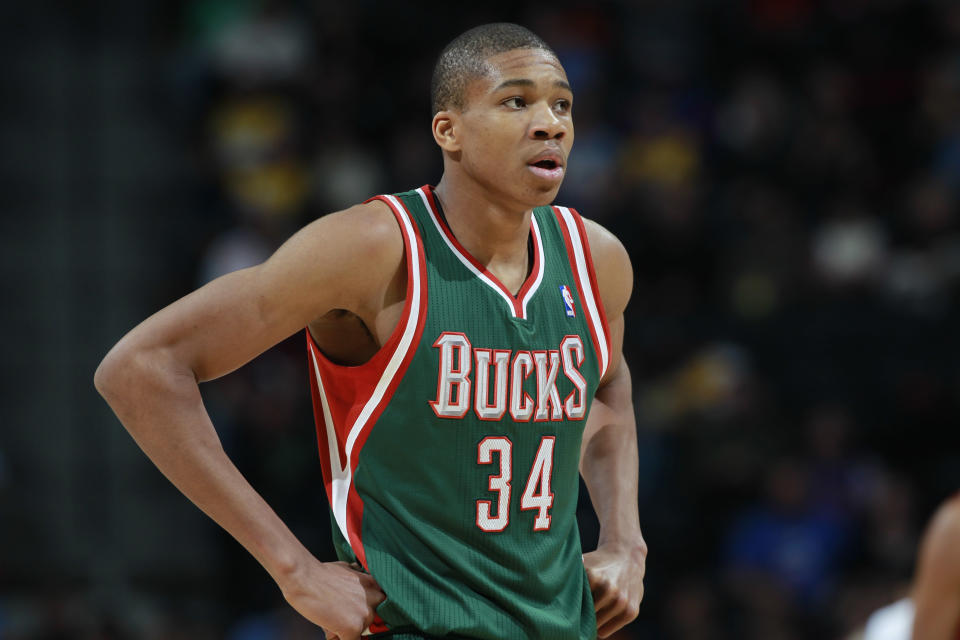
{"x":581,"y":263}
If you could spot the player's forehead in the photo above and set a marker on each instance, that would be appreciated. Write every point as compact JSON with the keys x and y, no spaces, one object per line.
{"x":537,"y":65}
{"x":520,"y":59}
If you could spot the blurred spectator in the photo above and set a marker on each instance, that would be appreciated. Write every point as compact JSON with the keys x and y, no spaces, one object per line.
{"x":283,"y":623}
{"x":783,"y":553}
{"x":693,"y":611}
{"x":849,"y":248}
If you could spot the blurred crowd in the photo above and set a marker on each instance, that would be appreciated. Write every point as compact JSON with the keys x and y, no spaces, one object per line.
{"x":785,"y":175}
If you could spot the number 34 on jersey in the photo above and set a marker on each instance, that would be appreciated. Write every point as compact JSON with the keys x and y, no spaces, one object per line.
{"x":536,"y":495}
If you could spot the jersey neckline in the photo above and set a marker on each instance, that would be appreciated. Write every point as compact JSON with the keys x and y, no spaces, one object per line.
{"x":517,"y":304}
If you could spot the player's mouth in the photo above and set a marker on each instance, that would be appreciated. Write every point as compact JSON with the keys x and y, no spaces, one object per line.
{"x":547,"y":165}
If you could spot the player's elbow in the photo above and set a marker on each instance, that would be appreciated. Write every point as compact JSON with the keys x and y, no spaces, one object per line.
{"x":107,"y":377}
{"x":121,"y":371}
{"x":134,"y":373}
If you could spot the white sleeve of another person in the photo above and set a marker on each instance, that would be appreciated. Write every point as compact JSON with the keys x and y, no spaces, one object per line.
{"x":892,"y":622}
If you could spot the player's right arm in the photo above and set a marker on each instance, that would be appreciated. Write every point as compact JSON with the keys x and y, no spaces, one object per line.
{"x":936,"y":592}
{"x":150,"y":378}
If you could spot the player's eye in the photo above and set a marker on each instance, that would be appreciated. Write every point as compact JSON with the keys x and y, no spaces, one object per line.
{"x":516,"y":102}
{"x":562,"y":106}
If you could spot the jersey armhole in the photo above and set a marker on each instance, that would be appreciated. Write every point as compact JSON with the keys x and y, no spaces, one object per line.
{"x":593,"y":279}
{"x":581,"y":263}
{"x":376,"y":362}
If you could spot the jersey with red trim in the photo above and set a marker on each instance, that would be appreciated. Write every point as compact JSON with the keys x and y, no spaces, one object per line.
{"x":450,"y":459}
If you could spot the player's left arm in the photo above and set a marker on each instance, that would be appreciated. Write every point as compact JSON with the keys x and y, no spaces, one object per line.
{"x":936,"y":590}
{"x":608,"y":458}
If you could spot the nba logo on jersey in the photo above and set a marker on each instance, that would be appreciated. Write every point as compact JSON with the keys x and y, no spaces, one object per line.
{"x":567,"y":301}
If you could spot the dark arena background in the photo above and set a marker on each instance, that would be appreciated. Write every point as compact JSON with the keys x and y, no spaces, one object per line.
{"x":784,"y":173}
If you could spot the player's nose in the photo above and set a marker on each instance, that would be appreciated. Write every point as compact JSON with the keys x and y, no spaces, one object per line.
{"x":546,"y":125}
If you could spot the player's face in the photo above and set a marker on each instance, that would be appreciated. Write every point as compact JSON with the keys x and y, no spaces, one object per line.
{"x":516,"y":129}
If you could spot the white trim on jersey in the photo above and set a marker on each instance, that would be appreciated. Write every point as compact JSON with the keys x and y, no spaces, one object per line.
{"x":342,"y":477}
{"x":584,"y":275}
{"x":480,"y":274}
{"x":408,"y":331}
{"x":339,"y":477}
{"x":536,"y":283}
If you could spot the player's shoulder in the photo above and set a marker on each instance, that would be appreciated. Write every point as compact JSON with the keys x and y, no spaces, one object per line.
{"x":353,"y":253}
{"x":939,"y":544}
{"x":363,"y":236}
{"x":953,"y":502}
{"x":611,"y":262}
{"x":948,"y":516}
{"x":604,"y":245}
{"x":371,"y":223}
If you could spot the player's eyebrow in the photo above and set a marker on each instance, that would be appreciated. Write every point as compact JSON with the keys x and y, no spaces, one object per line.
{"x":524,"y":82}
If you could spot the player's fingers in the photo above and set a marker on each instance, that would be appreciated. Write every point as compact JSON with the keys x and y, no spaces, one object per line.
{"x":615,"y":607}
{"x":603,"y":594}
{"x":607,"y":613}
{"x":374,"y":593}
{"x":612,"y":626}
{"x":615,"y":617}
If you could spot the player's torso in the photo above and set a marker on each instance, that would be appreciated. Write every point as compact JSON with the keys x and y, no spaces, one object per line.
{"x":467,"y":479}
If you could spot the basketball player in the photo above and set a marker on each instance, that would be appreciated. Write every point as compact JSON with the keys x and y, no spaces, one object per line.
{"x":464,"y":345}
{"x":932,"y":610}
{"x":936,"y":589}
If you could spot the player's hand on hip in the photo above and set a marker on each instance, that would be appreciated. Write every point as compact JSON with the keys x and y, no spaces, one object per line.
{"x":615,"y":572}
{"x":334,"y":595}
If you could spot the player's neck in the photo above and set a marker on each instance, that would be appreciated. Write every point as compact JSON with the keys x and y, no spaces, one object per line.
{"x":489,"y":230}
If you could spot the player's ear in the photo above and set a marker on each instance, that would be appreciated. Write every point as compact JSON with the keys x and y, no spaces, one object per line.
{"x":445,"y":130}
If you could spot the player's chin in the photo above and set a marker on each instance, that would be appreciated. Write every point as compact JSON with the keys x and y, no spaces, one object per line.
{"x":543,"y":193}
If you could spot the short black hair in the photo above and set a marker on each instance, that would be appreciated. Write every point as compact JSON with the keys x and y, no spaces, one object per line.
{"x":464,"y":59}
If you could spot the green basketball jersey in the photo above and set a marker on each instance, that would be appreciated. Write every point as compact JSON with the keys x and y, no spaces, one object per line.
{"x":451,"y":457}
